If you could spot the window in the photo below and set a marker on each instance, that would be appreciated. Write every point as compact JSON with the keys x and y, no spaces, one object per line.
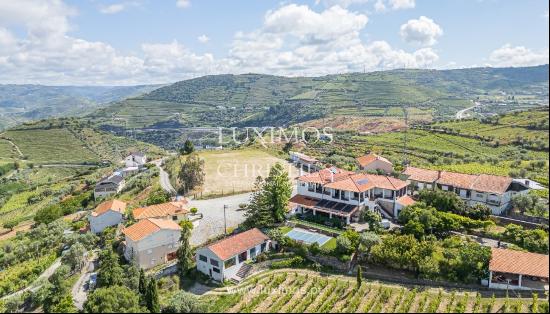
{"x":216,"y":270}
{"x":203,"y":258}
{"x":230,"y":263}
{"x":174,"y":218}
{"x":262,"y":248}
{"x":214,"y":262}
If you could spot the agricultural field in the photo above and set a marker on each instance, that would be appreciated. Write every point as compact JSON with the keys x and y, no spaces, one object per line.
{"x":529,"y":125}
{"x":234,"y":171}
{"x":51,"y":146}
{"x":295,"y":291}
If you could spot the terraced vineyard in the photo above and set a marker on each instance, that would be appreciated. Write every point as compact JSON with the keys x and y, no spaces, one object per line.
{"x":297,"y":291}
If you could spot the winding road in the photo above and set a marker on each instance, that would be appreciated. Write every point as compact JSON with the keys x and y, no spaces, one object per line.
{"x":463,"y":113}
{"x":164,"y":178}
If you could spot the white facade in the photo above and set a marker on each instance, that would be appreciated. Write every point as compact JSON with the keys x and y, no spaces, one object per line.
{"x":155,"y":249}
{"x":211,"y":265}
{"x":108,"y":219}
{"x":135,"y":160}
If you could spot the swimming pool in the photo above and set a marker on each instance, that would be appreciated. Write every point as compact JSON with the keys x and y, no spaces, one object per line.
{"x":307,"y":237}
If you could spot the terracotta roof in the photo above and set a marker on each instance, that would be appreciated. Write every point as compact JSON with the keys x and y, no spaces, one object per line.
{"x":325,"y":176}
{"x":517,"y":262}
{"x":114,"y":205}
{"x":303,"y":200}
{"x":406,"y":200}
{"x":492,"y":184}
{"x":238,"y":243}
{"x":146,"y":227}
{"x":160,"y":210}
{"x":364,"y":182}
{"x":482,"y":182}
{"x":459,"y":180}
{"x":370,"y":158}
{"x":422,"y":175}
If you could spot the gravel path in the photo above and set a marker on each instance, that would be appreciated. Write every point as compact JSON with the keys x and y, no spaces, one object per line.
{"x":38,"y":282}
{"x":212,"y":223}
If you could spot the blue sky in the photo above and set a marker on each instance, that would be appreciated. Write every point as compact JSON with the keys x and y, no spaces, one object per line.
{"x":99,"y":42}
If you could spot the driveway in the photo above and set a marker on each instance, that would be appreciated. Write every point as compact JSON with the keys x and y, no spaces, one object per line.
{"x":164,"y":178}
{"x":212,"y":223}
{"x":80,"y":289}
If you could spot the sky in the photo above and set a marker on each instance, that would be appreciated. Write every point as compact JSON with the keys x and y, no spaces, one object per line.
{"x":128,"y":42}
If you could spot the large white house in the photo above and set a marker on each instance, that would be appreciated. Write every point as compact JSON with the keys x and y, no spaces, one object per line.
{"x":151,"y":242}
{"x":304,"y":162}
{"x":106,"y":214}
{"x":494,"y":191}
{"x":338,"y":193}
{"x":226,"y":259}
{"x":110,"y":185}
{"x":137,"y":159}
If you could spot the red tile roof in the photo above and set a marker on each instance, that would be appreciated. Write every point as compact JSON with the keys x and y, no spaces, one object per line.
{"x":303,"y":200}
{"x":370,"y":158}
{"x":160,"y":210}
{"x":238,"y":243}
{"x":421,"y":175}
{"x":364,"y":182}
{"x":148,"y":226}
{"x":406,"y":200}
{"x":483,"y":182}
{"x":516,"y":262}
{"x":326,"y":175}
{"x":114,"y":205}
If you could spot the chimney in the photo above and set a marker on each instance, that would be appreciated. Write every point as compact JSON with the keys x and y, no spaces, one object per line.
{"x":438,"y":175}
{"x":331,"y":176}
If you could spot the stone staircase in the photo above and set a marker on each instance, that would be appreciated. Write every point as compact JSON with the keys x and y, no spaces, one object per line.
{"x":243,"y":272}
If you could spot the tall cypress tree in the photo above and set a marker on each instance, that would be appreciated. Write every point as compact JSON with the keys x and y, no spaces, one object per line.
{"x":142,"y":284}
{"x":152,"y":297}
{"x":184,"y":253}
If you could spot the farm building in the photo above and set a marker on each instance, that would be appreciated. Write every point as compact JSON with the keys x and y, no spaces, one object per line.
{"x":304,"y":162}
{"x":110,"y":185}
{"x":373,"y":162}
{"x":510,"y":269}
{"x":176,"y":211}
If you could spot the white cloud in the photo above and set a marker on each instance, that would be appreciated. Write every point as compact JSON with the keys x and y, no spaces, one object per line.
{"x":402,"y":4}
{"x":183,"y":3}
{"x":423,"y":31}
{"x":203,"y":39}
{"x":379,"y":6}
{"x":292,"y":40}
{"x":516,"y":56}
{"x":112,"y":9}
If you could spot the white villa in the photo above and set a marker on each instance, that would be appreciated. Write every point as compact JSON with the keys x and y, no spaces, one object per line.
{"x":494,"y":191}
{"x":106,"y":214}
{"x":226,"y":259}
{"x":510,"y":269}
{"x":337,"y":193}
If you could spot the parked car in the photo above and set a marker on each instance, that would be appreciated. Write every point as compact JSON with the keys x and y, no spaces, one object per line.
{"x":92,"y":282}
{"x":385,"y":223}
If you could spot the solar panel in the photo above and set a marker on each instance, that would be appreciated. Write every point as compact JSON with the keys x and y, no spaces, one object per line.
{"x":362,"y":181}
{"x":322,"y":203}
{"x":340,"y":206}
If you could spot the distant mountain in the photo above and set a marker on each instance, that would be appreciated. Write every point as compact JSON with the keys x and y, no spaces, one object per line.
{"x":20,"y":103}
{"x":256,"y":99}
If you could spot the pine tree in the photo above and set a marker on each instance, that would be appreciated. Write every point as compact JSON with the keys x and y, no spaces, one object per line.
{"x":257,"y":212}
{"x":277,"y":190}
{"x":152,"y":297}
{"x":184,"y":253}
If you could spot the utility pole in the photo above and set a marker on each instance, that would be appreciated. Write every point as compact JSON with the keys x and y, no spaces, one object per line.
{"x":224,"y":220}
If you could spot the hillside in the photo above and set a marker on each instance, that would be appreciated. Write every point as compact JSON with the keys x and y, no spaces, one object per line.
{"x":20,"y":103}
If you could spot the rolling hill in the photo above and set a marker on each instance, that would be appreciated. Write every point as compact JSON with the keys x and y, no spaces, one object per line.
{"x":259,"y":100}
{"x":20,"y":103}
